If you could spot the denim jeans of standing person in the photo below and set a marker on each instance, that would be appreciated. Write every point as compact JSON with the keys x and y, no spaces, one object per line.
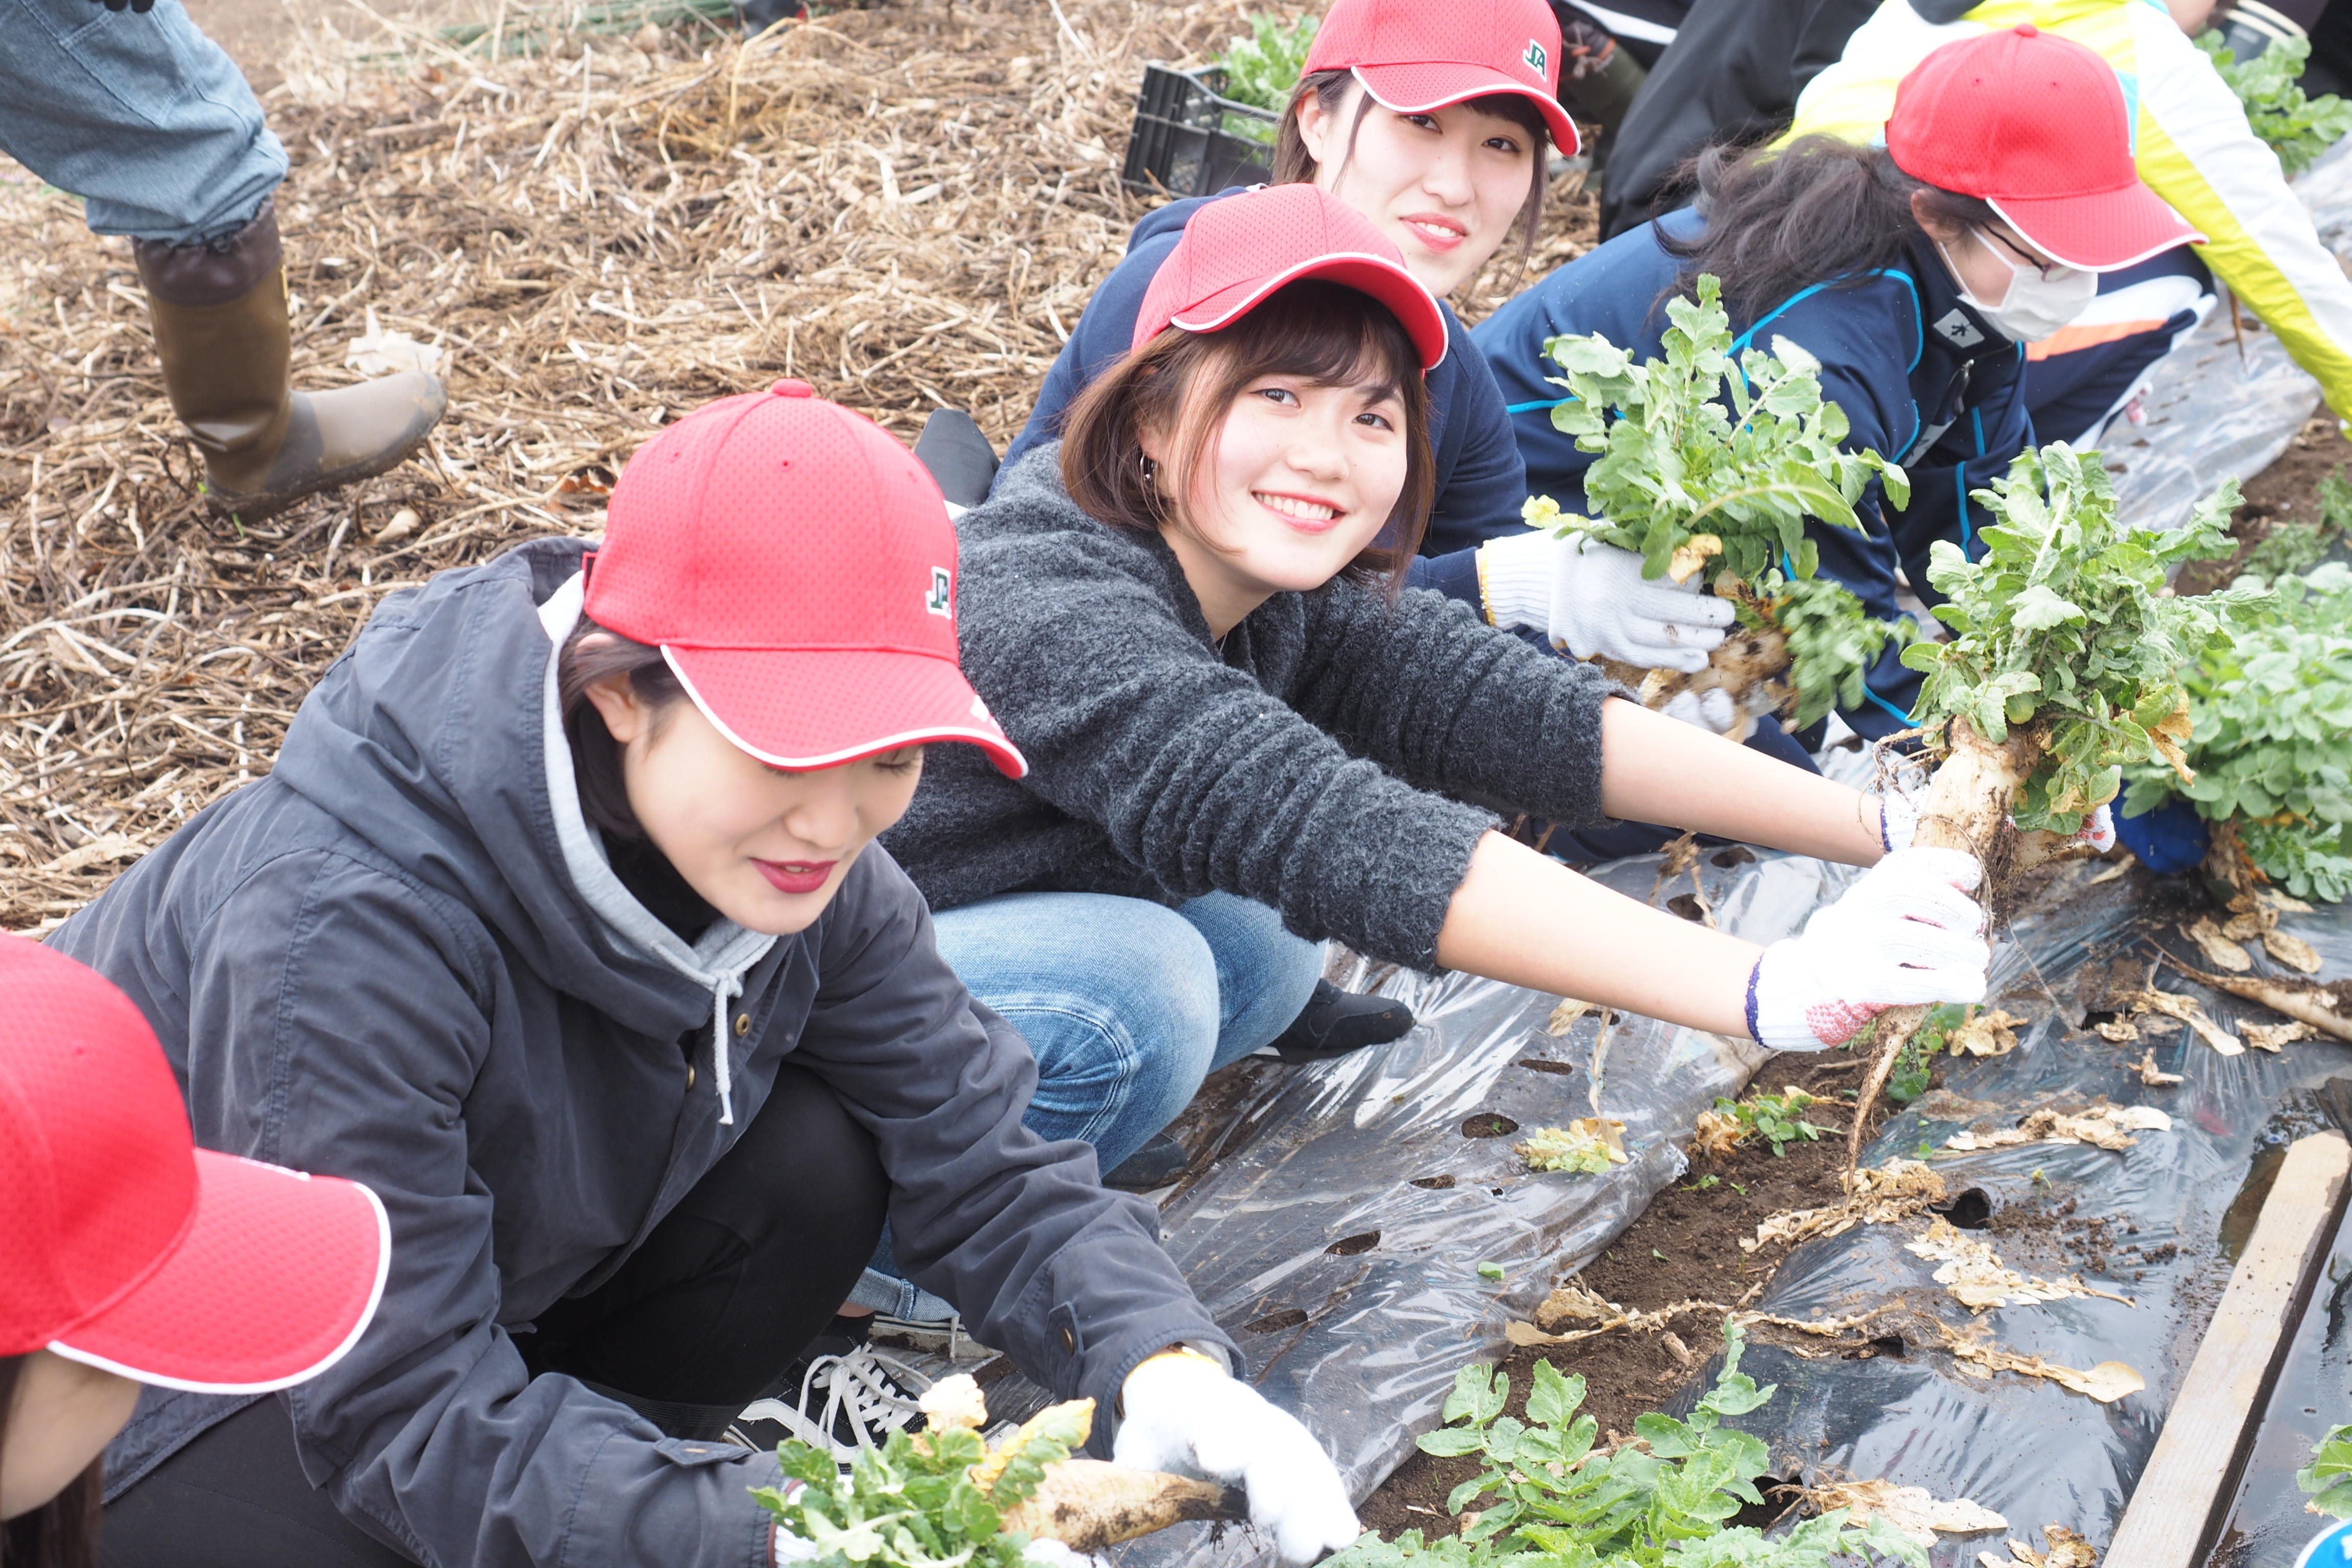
{"x":1127,"y":1005}
{"x":140,"y":114}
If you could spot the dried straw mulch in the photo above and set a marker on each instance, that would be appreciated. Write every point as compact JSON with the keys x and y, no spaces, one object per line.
{"x":907,"y":206}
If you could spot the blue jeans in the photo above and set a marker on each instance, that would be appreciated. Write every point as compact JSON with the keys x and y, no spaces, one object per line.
{"x":143,"y":117}
{"x":1127,"y":1005}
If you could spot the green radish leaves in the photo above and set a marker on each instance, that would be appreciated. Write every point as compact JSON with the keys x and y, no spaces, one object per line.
{"x":2067,"y":622}
{"x":1702,"y":456}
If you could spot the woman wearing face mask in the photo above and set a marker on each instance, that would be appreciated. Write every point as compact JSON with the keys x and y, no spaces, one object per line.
{"x":1245,"y":737}
{"x":131,"y":1257}
{"x":1916,"y":272}
{"x":557,"y":923}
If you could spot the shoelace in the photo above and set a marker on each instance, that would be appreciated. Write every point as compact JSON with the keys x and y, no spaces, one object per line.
{"x":877,"y":1392}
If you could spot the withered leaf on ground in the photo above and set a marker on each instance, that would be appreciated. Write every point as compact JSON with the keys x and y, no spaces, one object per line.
{"x":2106,"y":1382}
{"x":1914,"y":1510}
{"x":2108,"y":1126}
{"x":2273,"y":1038}
{"x":1977,"y":1277}
{"x":1896,"y":1190}
{"x":2156,"y":1077}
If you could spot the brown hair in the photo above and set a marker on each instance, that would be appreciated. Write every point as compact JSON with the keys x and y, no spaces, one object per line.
{"x":1819,"y":209}
{"x":1293,"y":166}
{"x":595,"y":755}
{"x":1183,"y":382}
{"x":63,"y":1531}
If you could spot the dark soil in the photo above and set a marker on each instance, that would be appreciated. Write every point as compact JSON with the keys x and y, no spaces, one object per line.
{"x":2286,"y":491}
{"x":1684,"y":1246}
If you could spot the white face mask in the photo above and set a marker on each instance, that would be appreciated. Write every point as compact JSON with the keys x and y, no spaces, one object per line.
{"x":2035,"y":306}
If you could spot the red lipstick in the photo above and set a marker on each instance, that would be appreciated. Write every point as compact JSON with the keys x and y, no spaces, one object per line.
{"x":795,"y":877}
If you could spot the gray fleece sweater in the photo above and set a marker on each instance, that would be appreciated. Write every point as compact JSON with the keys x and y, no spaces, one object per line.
{"x":1318,"y":764}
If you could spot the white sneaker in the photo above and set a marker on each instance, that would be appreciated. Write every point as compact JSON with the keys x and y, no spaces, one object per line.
{"x":860,"y":1399}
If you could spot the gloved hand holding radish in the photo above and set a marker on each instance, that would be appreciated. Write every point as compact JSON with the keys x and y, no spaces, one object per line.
{"x":1184,"y":1414}
{"x":1907,"y":932}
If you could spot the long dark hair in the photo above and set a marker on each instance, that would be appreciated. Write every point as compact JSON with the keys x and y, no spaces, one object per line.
{"x":1819,"y":210}
{"x":63,"y":1531}
{"x":595,"y":755}
{"x":1184,"y":382}
{"x":1294,"y":165}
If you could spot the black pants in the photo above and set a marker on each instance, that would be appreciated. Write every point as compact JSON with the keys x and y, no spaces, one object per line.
{"x":704,"y":1317}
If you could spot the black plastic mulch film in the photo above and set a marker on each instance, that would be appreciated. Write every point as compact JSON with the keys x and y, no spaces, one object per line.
{"x":2160,"y":1223}
{"x":1339,"y":1233}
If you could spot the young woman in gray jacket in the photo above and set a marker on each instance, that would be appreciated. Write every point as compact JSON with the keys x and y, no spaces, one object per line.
{"x":1243,"y":738}
{"x":559,"y":924}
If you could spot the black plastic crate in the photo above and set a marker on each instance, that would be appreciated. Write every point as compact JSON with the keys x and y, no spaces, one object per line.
{"x":1181,"y":144}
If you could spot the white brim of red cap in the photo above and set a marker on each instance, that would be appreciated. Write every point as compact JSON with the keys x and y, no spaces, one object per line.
{"x":819,"y":708}
{"x":1377,"y":276}
{"x":2097,"y":233}
{"x":1426,"y":85}
{"x":276,"y":1277}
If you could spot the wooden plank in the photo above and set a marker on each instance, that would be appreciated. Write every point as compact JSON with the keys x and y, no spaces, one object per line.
{"x":2176,"y":1508}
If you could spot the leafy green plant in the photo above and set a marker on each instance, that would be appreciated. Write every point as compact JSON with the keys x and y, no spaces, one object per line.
{"x":1262,"y":69}
{"x":914,"y":1502}
{"x":1777,"y":1118}
{"x":2066,"y":631}
{"x":1914,"y":1065}
{"x":1704,"y":456}
{"x":2063,"y":669}
{"x":2271,"y":742}
{"x":2329,"y":1476}
{"x":1662,"y":1500}
{"x":2292,"y":548}
{"x":2298,"y":129}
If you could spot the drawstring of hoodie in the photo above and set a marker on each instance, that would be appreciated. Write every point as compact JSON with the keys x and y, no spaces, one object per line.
{"x":723,"y":990}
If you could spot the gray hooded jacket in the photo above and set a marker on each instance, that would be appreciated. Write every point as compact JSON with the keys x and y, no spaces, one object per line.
{"x":403,"y":958}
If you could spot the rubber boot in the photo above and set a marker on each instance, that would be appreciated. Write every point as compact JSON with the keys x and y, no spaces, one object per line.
{"x":221,"y":330}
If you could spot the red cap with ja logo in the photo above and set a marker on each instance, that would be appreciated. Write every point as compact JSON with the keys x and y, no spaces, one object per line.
{"x":1415,"y":56}
{"x":796,"y":567}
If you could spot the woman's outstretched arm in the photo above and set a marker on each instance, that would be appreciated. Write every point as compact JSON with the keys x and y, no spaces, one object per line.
{"x":1525,"y":919}
{"x":1656,"y":769}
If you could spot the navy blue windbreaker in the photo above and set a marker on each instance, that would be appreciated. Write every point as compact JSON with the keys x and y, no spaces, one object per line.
{"x":1922,"y":377}
{"x":1480,"y":484}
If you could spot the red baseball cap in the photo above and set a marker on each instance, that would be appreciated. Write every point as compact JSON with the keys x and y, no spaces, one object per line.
{"x":1237,"y":250}
{"x":2035,"y":125}
{"x":796,"y":567}
{"x":125,"y":1246}
{"x":1419,"y":55}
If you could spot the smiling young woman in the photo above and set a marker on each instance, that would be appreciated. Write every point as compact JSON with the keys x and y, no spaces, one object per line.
{"x":559,"y":922}
{"x":1246,"y":737}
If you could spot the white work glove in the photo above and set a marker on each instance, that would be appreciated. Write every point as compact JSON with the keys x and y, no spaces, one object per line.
{"x":1182,"y":1414}
{"x":1898,"y":825}
{"x":1712,"y":709}
{"x":1591,"y":598}
{"x":1907,"y":932}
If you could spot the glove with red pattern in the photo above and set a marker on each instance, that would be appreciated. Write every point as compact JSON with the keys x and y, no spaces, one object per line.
{"x":1907,"y":932}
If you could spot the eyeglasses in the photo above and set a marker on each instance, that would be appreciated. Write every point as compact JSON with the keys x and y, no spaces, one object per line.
{"x":2048,"y":269}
